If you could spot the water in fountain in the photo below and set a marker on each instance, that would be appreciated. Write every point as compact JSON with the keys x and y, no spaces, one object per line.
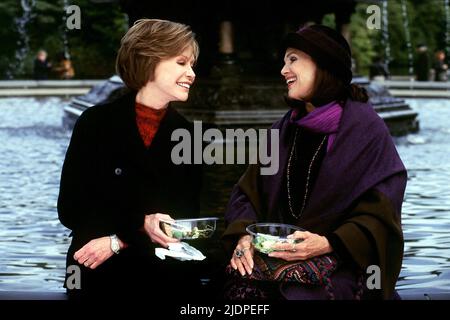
{"x":385,"y":36}
{"x":447,"y":28}
{"x":16,"y":67}
{"x":408,"y":41}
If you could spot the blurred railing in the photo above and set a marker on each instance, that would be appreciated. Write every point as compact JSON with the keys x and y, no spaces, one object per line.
{"x":416,"y":89}
{"x":12,"y":88}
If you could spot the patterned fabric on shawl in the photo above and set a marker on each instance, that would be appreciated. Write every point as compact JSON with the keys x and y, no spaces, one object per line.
{"x":314,"y":271}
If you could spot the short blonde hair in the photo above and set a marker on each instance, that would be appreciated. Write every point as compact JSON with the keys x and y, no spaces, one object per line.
{"x":148,"y":42}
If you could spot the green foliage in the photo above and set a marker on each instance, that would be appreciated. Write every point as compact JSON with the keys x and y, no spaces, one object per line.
{"x":93,"y":48}
{"x":426,"y":24}
{"x":8,"y":33}
{"x":329,"y":20}
{"x":362,"y":40}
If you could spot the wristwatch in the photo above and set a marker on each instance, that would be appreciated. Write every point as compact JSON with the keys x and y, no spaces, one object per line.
{"x":115,"y":247}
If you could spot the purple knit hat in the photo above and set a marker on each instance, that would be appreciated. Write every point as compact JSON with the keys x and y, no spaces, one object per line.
{"x":327,"y":47}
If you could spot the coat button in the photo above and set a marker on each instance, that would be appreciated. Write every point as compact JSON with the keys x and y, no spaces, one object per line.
{"x":118,"y":171}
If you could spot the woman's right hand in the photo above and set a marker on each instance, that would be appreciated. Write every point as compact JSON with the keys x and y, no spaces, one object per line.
{"x":96,"y":251}
{"x":152,"y":229}
{"x":244,"y":263}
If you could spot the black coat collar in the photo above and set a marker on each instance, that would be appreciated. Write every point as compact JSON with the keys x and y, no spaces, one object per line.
{"x":126,"y":136}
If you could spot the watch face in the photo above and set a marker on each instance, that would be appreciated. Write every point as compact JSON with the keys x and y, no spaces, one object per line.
{"x":115,"y":244}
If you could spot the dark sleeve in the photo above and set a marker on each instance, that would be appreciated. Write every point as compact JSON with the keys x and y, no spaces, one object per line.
{"x":80,"y":207}
{"x":238,"y":215}
{"x":352,"y":239}
{"x":371,"y":234}
{"x":76,"y":205}
{"x":338,"y":247}
{"x":194,"y":191}
{"x":188,"y":186}
{"x":130,"y":229}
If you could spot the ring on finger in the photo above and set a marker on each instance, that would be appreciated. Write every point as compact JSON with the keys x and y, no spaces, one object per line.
{"x":239,"y":253}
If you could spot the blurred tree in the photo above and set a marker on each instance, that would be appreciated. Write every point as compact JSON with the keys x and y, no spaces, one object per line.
{"x":44,"y":31}
{"x":426,"y":20}
{"x":428,"y":23}
{"x":93,"y":48}
{"x":9,"y":10}
{"x":363,"y":40}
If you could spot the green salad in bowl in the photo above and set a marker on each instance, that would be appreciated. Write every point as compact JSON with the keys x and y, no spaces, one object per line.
{"x":187,"y":229}
{"x":267,"y":235}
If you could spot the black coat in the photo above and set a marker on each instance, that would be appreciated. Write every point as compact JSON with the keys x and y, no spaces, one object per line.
{"x":110,"y":181}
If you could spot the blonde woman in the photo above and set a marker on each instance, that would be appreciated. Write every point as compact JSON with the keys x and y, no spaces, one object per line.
{"x":118,"y":180}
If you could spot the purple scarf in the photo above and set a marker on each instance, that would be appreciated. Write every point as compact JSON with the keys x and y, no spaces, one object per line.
{"x":324,"y":119}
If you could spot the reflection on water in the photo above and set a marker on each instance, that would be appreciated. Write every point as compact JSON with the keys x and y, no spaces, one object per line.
{"x":426,"y":209}
{"x":33,"y":242}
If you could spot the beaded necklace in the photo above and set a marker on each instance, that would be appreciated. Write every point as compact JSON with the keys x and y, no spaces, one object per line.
{"x":291,"y":210}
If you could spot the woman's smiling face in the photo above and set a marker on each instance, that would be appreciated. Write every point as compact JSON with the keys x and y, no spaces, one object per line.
{"x":299,"y":71}
{"x":174,"y":76}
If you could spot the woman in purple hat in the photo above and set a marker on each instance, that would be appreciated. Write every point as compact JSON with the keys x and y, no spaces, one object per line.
{"x":340,"y":178}
{"x":118,"y":181}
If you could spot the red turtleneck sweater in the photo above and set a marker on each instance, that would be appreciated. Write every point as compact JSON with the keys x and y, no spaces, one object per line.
{"x":148,"y":121}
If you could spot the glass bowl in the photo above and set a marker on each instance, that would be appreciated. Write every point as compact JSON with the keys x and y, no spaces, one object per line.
{"x":267,"y":235}
{"x":186,"y":229}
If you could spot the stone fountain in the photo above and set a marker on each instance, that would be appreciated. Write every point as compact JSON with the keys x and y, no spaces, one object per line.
{"x":239,"y":84}
{"x":238,"y":81}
